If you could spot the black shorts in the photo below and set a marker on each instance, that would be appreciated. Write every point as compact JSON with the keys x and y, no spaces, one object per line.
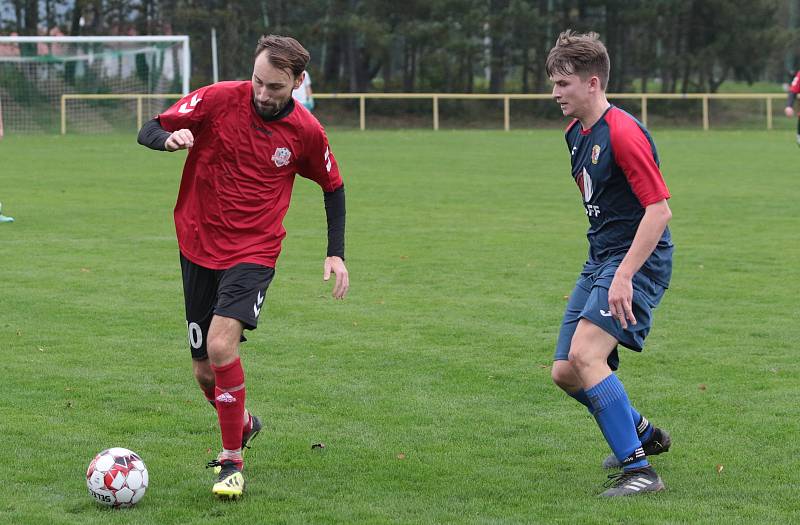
{"x":237,"y":292}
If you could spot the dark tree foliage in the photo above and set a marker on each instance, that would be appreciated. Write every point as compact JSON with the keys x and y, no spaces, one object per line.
{"x":453,"y":45}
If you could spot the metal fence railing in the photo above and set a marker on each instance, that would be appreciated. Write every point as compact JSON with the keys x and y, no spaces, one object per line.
{"x":643,"y":98}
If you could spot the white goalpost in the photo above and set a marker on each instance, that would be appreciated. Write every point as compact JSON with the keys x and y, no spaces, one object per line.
{"x":43,"y":81}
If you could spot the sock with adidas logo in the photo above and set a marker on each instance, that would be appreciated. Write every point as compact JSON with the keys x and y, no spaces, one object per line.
{"x":643,"y":427}
{"x":612,"y":411}
{"x":247,"y":426}
{"x":230,"y":396}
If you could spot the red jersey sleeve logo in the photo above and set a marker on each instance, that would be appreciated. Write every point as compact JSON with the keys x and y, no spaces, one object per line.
{"x":328,"y":162}
{"x":188,"y":112}
{"x":188,"y":107}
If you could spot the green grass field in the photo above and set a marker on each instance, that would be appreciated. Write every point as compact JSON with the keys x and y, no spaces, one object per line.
{"x":430,"y":384}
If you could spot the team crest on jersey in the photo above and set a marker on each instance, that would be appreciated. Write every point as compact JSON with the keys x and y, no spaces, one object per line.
{"x":281,"y":157}
{"x":595,"y":153}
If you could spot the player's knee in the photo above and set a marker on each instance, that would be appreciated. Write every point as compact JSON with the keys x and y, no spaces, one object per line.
{"x":220,"y":350}
{"x":581,"y":356}
{"x":564,"y":376}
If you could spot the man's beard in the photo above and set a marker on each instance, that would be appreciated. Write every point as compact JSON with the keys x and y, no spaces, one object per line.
{"x":267,"y":111}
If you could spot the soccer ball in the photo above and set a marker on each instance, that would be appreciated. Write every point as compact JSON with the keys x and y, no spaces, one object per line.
{"x":117,"y":477}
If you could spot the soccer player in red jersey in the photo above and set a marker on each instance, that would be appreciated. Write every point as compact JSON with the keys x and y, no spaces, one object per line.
{"x":794,"y":89}
{"x":247,"y":140}
{"x":629,"y":264}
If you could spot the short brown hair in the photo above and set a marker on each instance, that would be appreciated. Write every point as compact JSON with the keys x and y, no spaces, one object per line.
{"x":284,"y":53}
{"x":581,"y":54}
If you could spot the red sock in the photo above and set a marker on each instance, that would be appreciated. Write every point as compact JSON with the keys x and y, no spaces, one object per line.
{"x":248,"y":426}
{"x":210,"y":395}
{"x":230,"y":396}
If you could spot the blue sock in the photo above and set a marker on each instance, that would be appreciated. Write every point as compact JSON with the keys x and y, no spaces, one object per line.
{"x":612,"y":410}
{"x":581,"y":397}
{"x":643,"y":427}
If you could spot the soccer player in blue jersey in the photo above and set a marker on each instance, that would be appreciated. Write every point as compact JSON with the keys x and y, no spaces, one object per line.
{"x":615,"y":165}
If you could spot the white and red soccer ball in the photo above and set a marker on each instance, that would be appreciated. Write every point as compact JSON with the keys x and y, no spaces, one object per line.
{"x":117,"y":477}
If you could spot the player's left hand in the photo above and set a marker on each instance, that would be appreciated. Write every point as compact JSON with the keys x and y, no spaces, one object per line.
{"x":620,"y":300}
{"x":788,"y":111}
{"x":336,"y":265}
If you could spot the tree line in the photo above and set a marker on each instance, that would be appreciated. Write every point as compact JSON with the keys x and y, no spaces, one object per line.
{"x":460,"y":46}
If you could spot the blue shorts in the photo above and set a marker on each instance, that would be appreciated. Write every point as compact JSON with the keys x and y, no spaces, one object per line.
{"x":589,"y":300}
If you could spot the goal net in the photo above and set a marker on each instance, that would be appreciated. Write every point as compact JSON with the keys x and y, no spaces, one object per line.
{"x":36,"y":71}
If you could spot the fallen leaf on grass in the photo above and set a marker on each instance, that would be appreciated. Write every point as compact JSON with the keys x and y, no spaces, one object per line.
{"x":85,"y":270}
{"x":401,"y":456}
{"x":720,"y":468}
{"x":701,"y":387}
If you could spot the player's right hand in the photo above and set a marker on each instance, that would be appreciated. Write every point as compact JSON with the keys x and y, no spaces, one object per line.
{"x":789,"y":111}
{"x":181,"y":139}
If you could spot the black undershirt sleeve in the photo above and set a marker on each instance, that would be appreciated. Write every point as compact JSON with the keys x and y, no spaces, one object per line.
{"x":792,"y":97}
{"x":153,"y":135}
{"x":335,"y":213}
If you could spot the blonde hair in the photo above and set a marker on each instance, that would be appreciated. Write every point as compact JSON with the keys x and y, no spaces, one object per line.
{"x":581,"y":54}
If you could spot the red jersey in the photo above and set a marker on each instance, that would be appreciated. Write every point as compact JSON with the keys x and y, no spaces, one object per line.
{"x":794,"y":87}
{"x":238,"y":177}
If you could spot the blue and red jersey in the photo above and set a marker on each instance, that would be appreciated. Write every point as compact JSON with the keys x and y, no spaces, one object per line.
{"x":615,"y":165}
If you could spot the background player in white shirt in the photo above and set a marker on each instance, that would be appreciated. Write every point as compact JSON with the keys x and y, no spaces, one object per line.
{"x":303,"y":94}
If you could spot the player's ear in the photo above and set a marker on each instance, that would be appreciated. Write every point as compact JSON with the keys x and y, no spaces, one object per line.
{"x":299,"y":80}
